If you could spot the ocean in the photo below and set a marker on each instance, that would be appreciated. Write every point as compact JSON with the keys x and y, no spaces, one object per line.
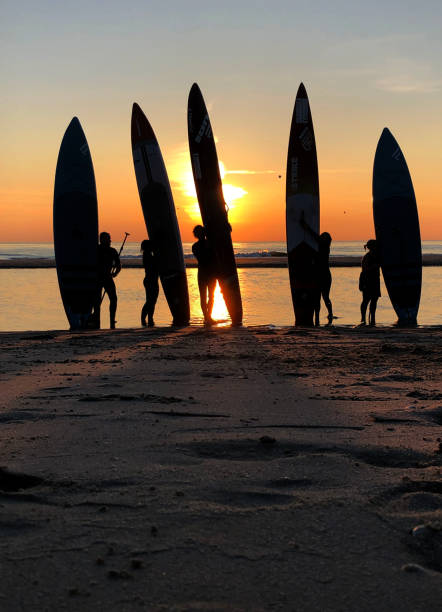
{"x":244,"y":249}
{"x":30,"y":299}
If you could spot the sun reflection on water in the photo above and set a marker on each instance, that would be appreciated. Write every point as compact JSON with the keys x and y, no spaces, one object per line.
{"x":219,"y":312}
{"x":265,"y":296}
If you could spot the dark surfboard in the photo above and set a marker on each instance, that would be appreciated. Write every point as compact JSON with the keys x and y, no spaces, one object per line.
{"x":302,"y":202}
{"x":211,"y":201}
{"x":159,"y":215}
{"x":76,"y":226}
{"x":397,"y":229}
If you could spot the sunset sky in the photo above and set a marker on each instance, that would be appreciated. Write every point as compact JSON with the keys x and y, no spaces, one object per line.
{"x":365,"y":65}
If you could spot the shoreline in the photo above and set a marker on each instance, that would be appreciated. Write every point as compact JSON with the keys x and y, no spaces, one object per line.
{"x":241,"y":262}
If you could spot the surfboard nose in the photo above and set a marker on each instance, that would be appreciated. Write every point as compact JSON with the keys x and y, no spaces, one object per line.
{"x":140,"y":126}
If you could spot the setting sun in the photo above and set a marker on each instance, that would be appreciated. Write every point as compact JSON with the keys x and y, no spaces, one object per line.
{"x":181,"y":178}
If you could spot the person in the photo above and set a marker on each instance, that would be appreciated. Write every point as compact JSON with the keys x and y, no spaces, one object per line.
{"x":109,"y":267}
{"x":323,"y":269}
{"x":150,"y":283}
{"x":205,"y":257}
{"x":370,"y":283}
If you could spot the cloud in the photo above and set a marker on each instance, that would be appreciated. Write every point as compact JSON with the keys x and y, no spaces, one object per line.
{"x":342,"y":171}
{"x":389,"y":63}
{"x":403,"y":75}
{"x":407,"y":83}
{"x":367,"y":45}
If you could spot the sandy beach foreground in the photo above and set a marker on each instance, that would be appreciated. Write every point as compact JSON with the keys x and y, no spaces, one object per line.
{"x":221,"y":469}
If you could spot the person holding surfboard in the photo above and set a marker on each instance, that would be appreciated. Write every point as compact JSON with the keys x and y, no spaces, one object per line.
{"x":205,"y":257}
{"x":109,"y":267}
{"x":370,"y":283}
{"x":325,"y":279}
{"x":150,"y":283}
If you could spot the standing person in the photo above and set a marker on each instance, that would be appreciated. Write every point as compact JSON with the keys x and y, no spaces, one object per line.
{"x":150,"y":283}
{"x":323,"y":269}
{"x":370,"y":283}
{"x":205,"y":257}
{"x":109,"y":267}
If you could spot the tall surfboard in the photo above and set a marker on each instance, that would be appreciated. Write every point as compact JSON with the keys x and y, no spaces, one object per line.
{"x":159,"y":215}
{"x":396,"y":224}
{"x":211,"y":201}
{"x":76,"y":226}
{"x":302,"y":207}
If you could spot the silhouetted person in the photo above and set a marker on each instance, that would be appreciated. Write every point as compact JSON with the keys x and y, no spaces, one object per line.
{"x":150,"y":283}
{"x":206,"y":271}
{"x":323,"y":270}
{"x":109,"y":267}
{"x":370,"y":283}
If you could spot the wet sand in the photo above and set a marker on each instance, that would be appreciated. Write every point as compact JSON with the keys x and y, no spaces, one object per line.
{"x":241,"y":262}
{"x":222,"y":469}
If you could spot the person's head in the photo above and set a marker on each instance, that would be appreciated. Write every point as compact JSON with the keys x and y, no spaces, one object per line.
{"x":145,"y":245}
{"x":371,"y":245}
{"x":199,"y":232}
{"x":325,"y":238}
{"x":105,"y":238}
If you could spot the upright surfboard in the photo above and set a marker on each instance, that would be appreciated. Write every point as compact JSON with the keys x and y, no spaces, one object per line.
{"x":159,"y":215}
{"x":211,"y":201}
{"x":396,"y":224}
{"x":302,"y":208}
{"x":76,"y":226}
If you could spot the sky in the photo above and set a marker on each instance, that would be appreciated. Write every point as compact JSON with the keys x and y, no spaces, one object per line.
{"x":365,"y":65}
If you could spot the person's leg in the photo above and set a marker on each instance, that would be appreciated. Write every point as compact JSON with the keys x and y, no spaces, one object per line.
{"x":145,"y":307}
{"x":317,"y":308}
{"x":144,"y":315}
{"x":95,"y":317}
{"x":112,"y":293}
{"x":364,"y":304}
{"x":325,"y":291}
{"x":372,"y":314}
{"x":211,"y":284}
{"x":202,"y":286}
{"x":151,"y":302}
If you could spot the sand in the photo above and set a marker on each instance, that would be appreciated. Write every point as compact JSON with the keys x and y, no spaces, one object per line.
{"x":223,"y":469}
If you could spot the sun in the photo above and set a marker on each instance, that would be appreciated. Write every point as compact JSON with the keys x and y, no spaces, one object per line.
{"x":231,"y":192}
{"x":181,"y":176}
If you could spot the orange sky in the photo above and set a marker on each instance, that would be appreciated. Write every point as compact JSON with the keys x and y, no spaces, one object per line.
{"x":257,"y":210}
{"x":361,"y":75}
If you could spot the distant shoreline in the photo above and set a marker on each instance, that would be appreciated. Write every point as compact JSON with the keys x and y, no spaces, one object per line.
{"x":346,"y":261}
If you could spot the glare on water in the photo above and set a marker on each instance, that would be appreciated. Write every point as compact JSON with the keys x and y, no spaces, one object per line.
{"x":30,"y":299}
{"x":219,"y":311}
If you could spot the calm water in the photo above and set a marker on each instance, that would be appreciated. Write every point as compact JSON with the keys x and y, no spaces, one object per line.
{"x":245,"y":249}
{"x":30,"y":299}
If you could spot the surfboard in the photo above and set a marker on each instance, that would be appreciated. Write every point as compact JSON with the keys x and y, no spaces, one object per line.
{"x":159,"y":215}
{"x":75,"y":223}
{"x":302,"y":205}
{"x":396,"y":224}
{"x":211,"y":201}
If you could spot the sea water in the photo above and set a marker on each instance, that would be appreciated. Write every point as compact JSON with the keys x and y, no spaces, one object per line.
{"x":30,"y":299}
{"x":45,"y":250}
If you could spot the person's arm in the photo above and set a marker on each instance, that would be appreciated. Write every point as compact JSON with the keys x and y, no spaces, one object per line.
{"x":116,"y":268}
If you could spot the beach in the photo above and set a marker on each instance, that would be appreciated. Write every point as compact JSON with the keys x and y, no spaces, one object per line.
{"x":256,"y":468}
